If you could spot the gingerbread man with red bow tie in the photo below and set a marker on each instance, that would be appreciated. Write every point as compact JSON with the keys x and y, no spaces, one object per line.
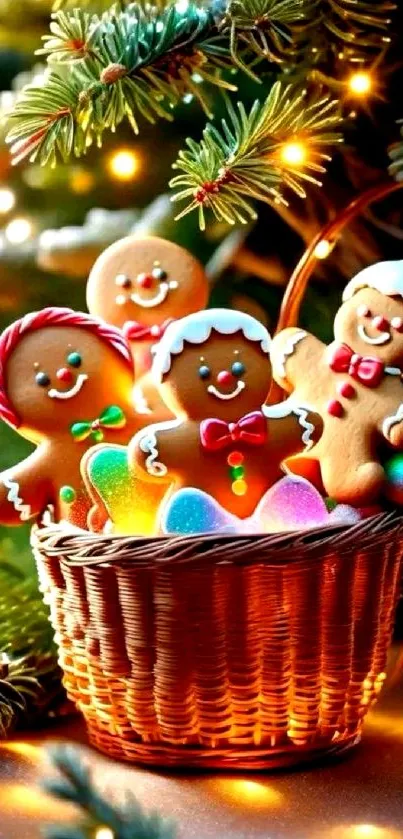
{"x":355,"y":383}
{"x":141,"y":285}
{"x":214,"y":373}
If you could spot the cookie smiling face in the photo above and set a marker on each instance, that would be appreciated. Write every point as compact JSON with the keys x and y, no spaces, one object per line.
{"x":59,"y":375}
{"x":371,"y":323}
{"x":145,"y":280}
{"x":214,"y":364}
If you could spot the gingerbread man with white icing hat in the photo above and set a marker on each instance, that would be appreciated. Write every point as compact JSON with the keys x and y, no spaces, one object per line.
{"x":355,"y":383}
{"x":214,"y":372}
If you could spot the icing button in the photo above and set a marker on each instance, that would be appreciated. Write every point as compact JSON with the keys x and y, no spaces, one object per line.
{"x":335,"y":408}
{"x":346,"y":389}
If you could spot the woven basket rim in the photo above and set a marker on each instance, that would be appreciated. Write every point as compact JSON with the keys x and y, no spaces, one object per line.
{"x":85,"y":548}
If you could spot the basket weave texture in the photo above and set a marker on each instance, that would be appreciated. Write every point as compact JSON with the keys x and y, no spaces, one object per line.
{"x":227,"y":651}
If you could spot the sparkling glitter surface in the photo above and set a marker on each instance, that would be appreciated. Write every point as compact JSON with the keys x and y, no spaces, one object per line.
{"x":131,"y":504}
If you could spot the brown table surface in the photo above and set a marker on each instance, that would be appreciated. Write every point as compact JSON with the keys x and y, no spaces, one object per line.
{"x":359,"y":797}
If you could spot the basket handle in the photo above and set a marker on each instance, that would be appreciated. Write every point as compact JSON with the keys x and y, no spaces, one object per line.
{"x":293,"y":295}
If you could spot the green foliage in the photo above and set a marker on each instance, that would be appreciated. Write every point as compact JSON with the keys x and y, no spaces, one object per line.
{"x":227,"y":171}
{"x":126,"y":821}
{"x":30,"y":678}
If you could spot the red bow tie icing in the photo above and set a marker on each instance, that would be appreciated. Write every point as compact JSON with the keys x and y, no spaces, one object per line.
{"x":367,"y":370}
{"x":135,"y":331}
{"x":216,"y":434}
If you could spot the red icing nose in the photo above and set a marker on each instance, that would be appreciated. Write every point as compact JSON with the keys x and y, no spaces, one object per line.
{"x":380,"y":323}
{"x":64,"y":375}
{"x":225,"y":378}
{"x":144,"y":280}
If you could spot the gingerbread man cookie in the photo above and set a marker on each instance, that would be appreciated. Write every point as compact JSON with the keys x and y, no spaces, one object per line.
{"x":214,"y":373}
{"x":141,"y":285}
{"x":355,"y":383}
{"x":65,"y":384}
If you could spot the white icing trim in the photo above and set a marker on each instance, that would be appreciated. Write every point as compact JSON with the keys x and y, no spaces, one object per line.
{"x":13,"y":496}
{"x":68,"y":394}
{"x":150,"y":302}
{"x":140,"y":403}
{"x":288,"y":407}
{"x":196,"y":329}
{"x":148,"y":443}
{"x":389,"y":422}
{"x":385,"y":277}
{"x":288,"y":349}
{"x":382,"y":338}
{"x":240,"y":386}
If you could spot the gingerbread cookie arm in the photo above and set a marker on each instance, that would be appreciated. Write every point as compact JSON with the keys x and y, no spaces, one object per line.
{"x":297,"y":429}
{"x":392,"y":428}
{"x":292,"y":351}
{"x":149,"y":456}
{"x":24,"y":490}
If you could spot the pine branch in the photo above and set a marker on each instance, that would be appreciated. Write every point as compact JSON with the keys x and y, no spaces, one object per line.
{"x":110,"y":68}
{"x":226,"y":172}
{"x":127,"y":821}
{"x":359,"y":24}
{"x":267,"y":28}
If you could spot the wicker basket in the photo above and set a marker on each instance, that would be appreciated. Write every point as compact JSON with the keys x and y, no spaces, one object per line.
{"x":244,"y":652}
{"x":229,"y":652}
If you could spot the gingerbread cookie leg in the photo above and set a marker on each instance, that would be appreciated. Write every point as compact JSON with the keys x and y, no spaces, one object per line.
{"x":363,"y":479}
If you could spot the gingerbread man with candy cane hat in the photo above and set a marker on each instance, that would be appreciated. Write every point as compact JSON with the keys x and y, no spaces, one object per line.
{"x":355,"y":383}
{"x":214,"y":372}
{"x":66,"y":380}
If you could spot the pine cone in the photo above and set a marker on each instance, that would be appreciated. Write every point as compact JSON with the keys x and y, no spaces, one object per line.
{"x":30,"y":689}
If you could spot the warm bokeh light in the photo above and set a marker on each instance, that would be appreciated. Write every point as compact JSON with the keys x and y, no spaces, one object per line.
{"x":360,"y":83}
{"x":124,"y":164}
{"x":361,"y":831}
{"x":294,"y":154}
{"x":82,"y":181}
{"x":7,"y":200}
{"x":26,"y":750}
{"x":104,"y":833}
{"x":30,"y":801}
{"x":322,"y":249}
{"x":18,"y":231}
{"x":244,"y":792}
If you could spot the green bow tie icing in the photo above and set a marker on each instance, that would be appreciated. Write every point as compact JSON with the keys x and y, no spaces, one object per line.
{"x":111,"y":417}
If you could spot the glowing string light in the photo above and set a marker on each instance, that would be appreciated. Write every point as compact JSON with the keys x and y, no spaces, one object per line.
{"x":294,"y":154}
{"x":7,"y":200}
{"x":124,"y":165}
{"x":323,"y":249}
{"x":360,"y":83}
{"x":104,"y":833}
{"x":18,"y":230}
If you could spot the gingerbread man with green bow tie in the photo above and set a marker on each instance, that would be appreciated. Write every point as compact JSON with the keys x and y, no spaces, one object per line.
{"x":66,"y":381}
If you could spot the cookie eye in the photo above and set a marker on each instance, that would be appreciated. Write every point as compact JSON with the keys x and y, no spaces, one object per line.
{"x":42,"y":379}
{"x":363,"y":311}
{"x":204,"y":371}
{"x":159,"y":274}
{"x":238,"y":368}
{"x":122,"y":281}
{"x":74,"y":359}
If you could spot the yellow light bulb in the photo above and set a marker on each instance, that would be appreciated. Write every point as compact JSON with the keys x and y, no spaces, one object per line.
{"x":18,"y":231}
{"x":104,"y":833}
{"x":322,"y":249}
{"x":7,"y":200}
{"x":81,"y":181}
{"x":124,"y":165}
{"x":294,"y":154}
{"x":360,"y":83}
